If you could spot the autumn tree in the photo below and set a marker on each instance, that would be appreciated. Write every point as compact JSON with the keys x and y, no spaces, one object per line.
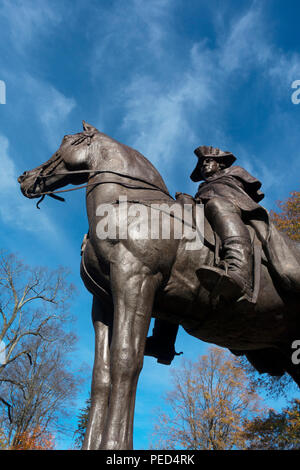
{"x":35,"y":439}
{"x":207,"y":406}
{"x":275,"y":430}
{"x":39,"y":393}
{"x":288,"y":220}
{"x":3,"y":441}
{"x":37,"y":384}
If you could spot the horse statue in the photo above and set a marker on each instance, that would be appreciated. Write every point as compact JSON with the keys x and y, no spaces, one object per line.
{"x":135,"y":278}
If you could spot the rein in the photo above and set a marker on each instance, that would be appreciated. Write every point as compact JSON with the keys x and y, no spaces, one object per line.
{"x":96,"y":172}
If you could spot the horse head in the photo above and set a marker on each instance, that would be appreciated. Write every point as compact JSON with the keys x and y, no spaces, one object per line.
{"x":82,"y":156}
{"x":62,"y":168}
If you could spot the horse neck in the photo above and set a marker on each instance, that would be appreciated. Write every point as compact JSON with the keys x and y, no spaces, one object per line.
{"x":119,"y":163}
{"x":119,"y":157}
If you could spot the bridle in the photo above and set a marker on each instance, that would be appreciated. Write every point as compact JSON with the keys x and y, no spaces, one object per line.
{"x":154,"y":186}
{"x":87,"y":135}
{"x":41,"y":177}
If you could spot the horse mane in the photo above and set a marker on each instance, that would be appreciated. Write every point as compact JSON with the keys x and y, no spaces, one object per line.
{"x":90,"y":135}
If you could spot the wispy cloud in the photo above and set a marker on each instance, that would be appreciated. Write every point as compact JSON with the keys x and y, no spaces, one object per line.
{"x":47,"y":108}
{"x":14,"y":209}
{"x":244,"y":45}
{"x":167,"y":113}
{"x":27,"y":28}
{"x":51,"y":107}
{"x":156,"y":118}
{"x":25,"y":20}
{"x":128,"y":31}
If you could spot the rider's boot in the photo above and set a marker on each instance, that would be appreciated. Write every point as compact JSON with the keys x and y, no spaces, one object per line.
{"x":161,"y":344}
{"x":233,"y":279}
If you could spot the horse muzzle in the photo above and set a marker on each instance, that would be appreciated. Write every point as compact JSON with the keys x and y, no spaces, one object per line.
{"x":29,"y":186}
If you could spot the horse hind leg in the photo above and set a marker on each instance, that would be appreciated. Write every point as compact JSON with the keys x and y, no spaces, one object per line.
{"x":102,"y":315}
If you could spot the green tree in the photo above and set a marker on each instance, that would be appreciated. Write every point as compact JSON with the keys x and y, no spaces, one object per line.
{"x":207,"y":406}
{"x":82,"y":424}
{"x":275,"y":430}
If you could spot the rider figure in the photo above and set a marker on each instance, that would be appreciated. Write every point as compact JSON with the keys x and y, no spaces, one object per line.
{"x":230,"y":195}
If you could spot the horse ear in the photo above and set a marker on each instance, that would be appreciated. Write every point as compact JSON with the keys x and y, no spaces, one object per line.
{"x":88,"y":127}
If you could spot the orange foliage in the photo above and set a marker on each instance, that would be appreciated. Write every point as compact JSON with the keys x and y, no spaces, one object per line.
{"x":207,"y":406}
{"x":35,"y":439}
{"x":288,"y":220}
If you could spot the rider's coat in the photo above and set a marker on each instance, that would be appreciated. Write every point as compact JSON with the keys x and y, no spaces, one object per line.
{"x":236,"y":185}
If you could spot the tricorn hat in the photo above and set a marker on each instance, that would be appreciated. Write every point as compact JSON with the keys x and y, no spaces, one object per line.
{"x":202,"y":152}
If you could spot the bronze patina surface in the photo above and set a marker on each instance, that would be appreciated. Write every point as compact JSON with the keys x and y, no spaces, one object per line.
{"x":234,"y":291}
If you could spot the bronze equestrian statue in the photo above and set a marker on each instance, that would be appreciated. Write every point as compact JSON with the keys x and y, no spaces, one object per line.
{"x":133,"y":279}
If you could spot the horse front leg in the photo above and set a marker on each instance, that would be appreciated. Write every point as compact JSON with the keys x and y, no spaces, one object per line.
{"x":133,"y":288}
{"x":102,"y":315}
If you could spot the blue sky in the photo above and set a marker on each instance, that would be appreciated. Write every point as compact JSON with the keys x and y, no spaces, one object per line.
{"x":162,"y":76}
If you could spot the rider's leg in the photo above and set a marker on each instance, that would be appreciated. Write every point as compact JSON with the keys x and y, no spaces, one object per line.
{"x":237,"y":259}
{"x":161,"y":344}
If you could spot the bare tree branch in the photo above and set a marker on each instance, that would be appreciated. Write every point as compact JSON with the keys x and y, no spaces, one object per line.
{"x":35,"y":380}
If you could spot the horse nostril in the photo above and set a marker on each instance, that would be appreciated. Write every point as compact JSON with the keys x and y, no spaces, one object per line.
{"x":22,"y":177}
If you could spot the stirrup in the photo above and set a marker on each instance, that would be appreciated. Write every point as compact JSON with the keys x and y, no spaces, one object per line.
{"x":163,"y":354}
